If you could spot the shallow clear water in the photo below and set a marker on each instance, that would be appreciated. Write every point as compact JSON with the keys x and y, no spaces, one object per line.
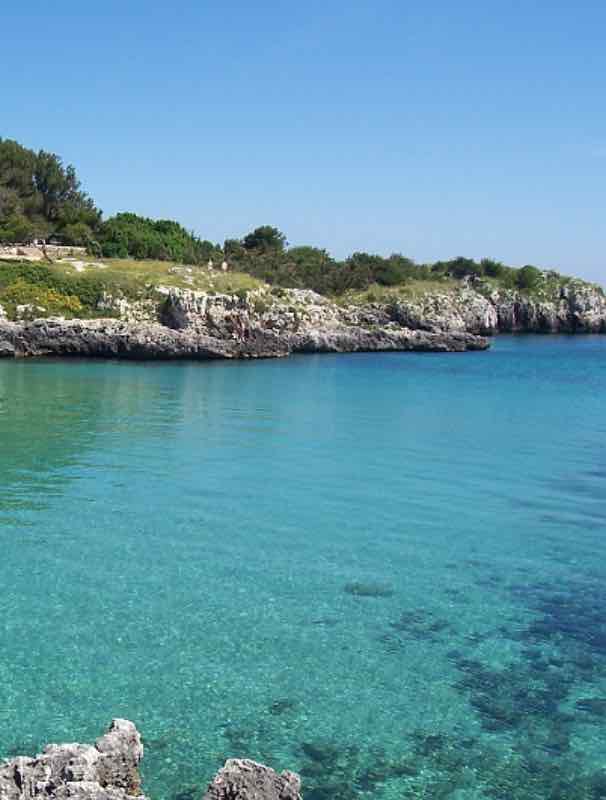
{"x":383,"y":571}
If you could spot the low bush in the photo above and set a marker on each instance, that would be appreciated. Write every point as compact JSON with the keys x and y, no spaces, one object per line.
{"x":40,"y":298}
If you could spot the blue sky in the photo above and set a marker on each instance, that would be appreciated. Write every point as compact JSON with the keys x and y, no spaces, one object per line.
{"x":434,"y":129}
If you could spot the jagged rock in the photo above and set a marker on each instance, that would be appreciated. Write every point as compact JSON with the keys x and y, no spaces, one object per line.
{"x":268,"y":323}
{"x":305,"y":316}
{"x":306,"y":322}
{"x":463,"y":310}
{"x":586,"y":308}
{"x":142,"y":310}
{"x":359,"y":340}
{"x":196,"y":325}
{"x":29,"y":311}
{"x":108,"y":770}
{"x":577,"y":308}
{"x":116,"y":339}
{"x":241,"y":779}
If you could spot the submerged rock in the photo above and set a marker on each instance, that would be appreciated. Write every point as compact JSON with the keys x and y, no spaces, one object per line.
{"x":592,"y":705}
{"x":359,"y":589}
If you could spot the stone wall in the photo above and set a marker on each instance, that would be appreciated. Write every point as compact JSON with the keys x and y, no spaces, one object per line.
{"x":26,"y":252}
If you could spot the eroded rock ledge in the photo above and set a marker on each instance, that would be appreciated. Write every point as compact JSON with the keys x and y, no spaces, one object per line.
{"x":272,"y":322}
{"x":109,"y":770}
{"x":193,"y":325}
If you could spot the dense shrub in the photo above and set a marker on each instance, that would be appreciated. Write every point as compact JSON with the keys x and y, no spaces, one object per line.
{"x":313,"y":268}
{"x":28,"y":272}
{"x":86,"y":288}
{"x":139,"y":237}
{"x":528,"y":277}
{"x":491,"y":268}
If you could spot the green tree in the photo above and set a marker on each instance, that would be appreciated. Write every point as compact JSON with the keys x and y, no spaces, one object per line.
{"x":462,"y":267}
{"x":310,"y":267}
{"x":39,"y":196}
{"x":528,"y":277}
{"x":16,"y":228}
{"x":78,"y":234}
{"x":233,"y":248}
{"x":265,"y":238}
{"x":491,"y":268}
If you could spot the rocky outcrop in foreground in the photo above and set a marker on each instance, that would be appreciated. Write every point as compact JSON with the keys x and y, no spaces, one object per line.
{"x":109,"y":770}
{"x":241,"y":779}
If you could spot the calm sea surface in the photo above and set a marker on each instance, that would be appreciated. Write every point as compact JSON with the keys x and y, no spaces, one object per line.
{"x":386,"y":572}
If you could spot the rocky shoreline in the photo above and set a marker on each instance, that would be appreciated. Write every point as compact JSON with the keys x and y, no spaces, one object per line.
{"x":576,"y":307}
{"x":273,"y":323}
{"x":196,"y":325}
{"x":116,"y":339}
{"x":109,"y":770}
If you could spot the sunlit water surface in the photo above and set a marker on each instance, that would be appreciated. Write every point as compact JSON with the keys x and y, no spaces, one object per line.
{"x":383,"y":571}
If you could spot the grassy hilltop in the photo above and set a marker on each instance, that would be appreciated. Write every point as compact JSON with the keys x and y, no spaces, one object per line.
{"x":78,"y":286}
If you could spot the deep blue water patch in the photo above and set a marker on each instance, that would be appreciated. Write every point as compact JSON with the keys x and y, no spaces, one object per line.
{"x":386,"y":572}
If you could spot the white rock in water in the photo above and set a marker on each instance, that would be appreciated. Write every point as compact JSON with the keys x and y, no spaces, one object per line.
{"x":241,"y":779}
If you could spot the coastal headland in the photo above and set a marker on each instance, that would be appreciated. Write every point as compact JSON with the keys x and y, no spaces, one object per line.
{"x":73,"y":283}
{"x":158,"y":321}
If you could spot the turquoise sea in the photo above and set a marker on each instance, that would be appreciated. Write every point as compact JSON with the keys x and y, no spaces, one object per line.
{"x":384,"y":571}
